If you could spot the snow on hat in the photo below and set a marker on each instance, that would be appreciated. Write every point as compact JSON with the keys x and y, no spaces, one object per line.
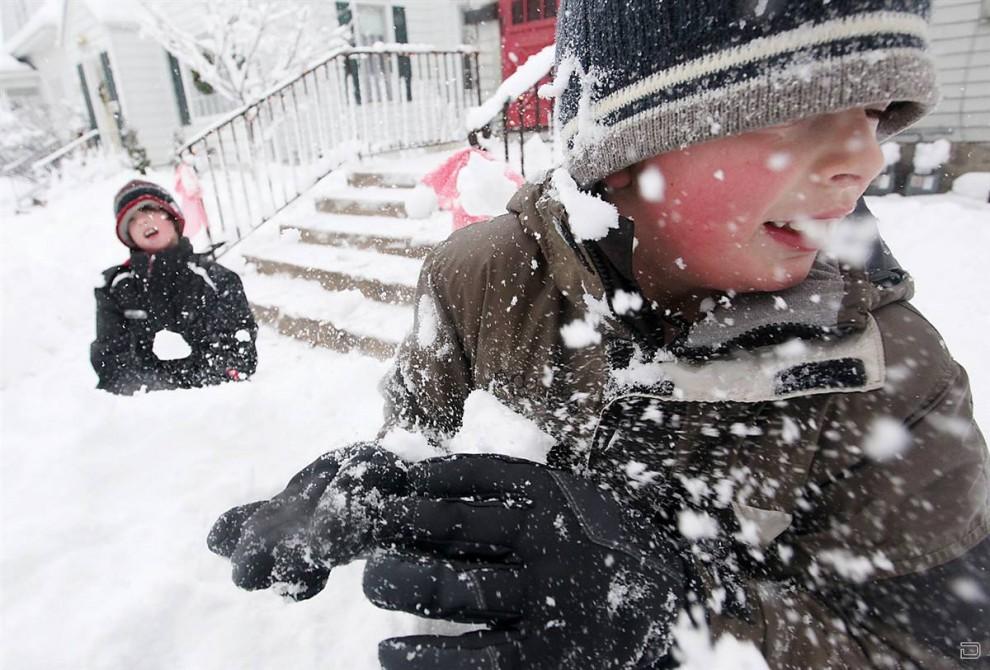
{"x":137,"y":192}
{"x":642,"y":77}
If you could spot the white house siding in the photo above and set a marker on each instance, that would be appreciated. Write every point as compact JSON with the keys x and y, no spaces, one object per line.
{"x":147,"y":95}
{"x":961,"y":42}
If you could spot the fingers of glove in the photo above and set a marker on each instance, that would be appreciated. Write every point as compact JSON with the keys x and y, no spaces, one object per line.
{"x":295,"y":574}
{"x":370,"y":468}
{"x":488,"y":650}
{"x":440,"y":589}
{"x":226,"y":531}
{"x":252,"y":563}
{"x":454,"y":528}
{"x":273,"y":524}
{"x":474,"y":475}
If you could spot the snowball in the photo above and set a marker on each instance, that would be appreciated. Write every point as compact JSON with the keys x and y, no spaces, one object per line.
{"x":170,"y":346}
{"x":852,"y":239}
{"x":696,"y":525}
{"x":242,"y":335}
{"x":483,"y":187}
{"x":408,"y":446}
{"x":420,"y":202}
{"x":778,"y":161}
{"x":489,"y":427}
{"x":580,"y":333}
{"x":590,"y":218}
{"x":624,"y":301}
{"x":887,"y":439}
{"x":851,"y":566}
{"x":651,"y":184}
{"x":968,"y":590}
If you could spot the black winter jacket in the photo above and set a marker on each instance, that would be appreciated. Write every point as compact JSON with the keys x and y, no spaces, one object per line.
{"x":179,"y":291}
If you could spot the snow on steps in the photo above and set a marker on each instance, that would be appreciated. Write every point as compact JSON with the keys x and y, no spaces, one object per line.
{"x":412,"y":238}
{"x":339,"y":320}
{"x":372,"y":201}
{"x":344,"y":276}
{"x":383,"y":277}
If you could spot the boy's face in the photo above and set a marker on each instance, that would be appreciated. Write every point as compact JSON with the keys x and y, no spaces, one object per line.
{"x":712,"y":229}
{"x":152,"y":230}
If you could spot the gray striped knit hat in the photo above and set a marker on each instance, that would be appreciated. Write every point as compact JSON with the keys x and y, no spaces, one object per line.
{"x":649,"y":76}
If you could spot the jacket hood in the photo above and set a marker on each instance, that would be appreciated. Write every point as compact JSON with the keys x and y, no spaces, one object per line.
{"x":833,"y":299}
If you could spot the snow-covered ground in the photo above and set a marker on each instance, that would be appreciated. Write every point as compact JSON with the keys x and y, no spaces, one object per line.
{"x":106,"y":501}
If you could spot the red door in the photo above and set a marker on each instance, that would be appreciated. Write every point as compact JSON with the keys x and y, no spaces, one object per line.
{"x":527,"y":27}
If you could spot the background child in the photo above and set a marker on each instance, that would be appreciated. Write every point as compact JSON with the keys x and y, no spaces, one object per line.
{"x":786,"y":418}
{"x":164,"y":286}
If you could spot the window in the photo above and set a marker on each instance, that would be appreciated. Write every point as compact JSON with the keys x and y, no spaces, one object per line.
{"x":534,"y":10}
{"x":518,"y":12}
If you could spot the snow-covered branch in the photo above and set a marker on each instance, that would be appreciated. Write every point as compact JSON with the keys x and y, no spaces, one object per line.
{"x":242,"y":48}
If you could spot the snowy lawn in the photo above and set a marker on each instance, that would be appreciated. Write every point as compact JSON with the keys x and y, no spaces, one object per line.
{"x":106,"y":501}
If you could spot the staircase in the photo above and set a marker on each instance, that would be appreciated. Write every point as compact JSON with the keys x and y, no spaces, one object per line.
{"x":342,"y":273}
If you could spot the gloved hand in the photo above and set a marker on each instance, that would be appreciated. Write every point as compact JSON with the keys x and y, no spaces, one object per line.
{"x":565,"y":576}
{"x":323,"y":518}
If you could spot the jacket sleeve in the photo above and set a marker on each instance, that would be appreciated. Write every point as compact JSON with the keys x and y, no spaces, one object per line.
{"x":430,"y":379}
{"x":115,"y":354}
{"x":891,"y":571}
{"x":224,"y":337}
{"x":234,"y":330}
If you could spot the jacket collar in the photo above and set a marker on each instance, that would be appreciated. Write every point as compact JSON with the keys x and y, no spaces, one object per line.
{"x":833,"y":300}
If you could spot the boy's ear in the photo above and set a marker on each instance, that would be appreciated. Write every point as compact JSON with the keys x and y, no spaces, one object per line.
{"x":619,"y":180}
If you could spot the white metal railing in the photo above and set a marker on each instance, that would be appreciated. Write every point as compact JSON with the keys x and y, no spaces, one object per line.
{"x":519,"y":104}
{"x":36,"y":173}
{"x":259,"y":158}
{"x":86,"y":140}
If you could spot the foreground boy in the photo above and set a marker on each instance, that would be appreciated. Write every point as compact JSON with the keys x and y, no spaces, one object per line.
{"x":747,"y":429}
{"x":164,"y":286}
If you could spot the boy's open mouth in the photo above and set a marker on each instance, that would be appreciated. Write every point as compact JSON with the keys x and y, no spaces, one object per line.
{"x":150,"y":232}
{"x":801,"y":235}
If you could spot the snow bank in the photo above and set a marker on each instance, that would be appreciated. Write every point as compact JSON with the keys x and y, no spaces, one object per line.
{"x":974,"y":185}
{"x":106,"y":500}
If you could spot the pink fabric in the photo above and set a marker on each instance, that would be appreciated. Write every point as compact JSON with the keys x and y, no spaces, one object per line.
{"x":190,"y":199}
{"x":443,"y":181}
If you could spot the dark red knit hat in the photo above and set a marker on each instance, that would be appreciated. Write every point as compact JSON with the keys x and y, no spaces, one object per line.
{"x":137,"y":192}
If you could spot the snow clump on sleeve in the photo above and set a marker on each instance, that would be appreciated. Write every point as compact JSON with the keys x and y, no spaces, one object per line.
{"x":695,"y":651}
{"x":489,"y":427}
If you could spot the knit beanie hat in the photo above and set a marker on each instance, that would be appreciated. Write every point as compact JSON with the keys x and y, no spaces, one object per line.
{"x":137,"y":192}
{"x":642,"y":77}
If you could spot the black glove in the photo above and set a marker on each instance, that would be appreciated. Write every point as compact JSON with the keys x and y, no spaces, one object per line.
{"x":565,"y":576}
{"x":323,"y":518}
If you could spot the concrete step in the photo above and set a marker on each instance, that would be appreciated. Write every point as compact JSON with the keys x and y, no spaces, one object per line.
{"x":339,"y":320}
{"x":382,"y":277}
{"x":413,"y":238}
{"x":367,"y":179}
{"x":418,"y":203}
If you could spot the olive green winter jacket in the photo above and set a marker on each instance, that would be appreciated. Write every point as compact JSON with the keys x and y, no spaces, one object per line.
{"x":825,"y":428}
